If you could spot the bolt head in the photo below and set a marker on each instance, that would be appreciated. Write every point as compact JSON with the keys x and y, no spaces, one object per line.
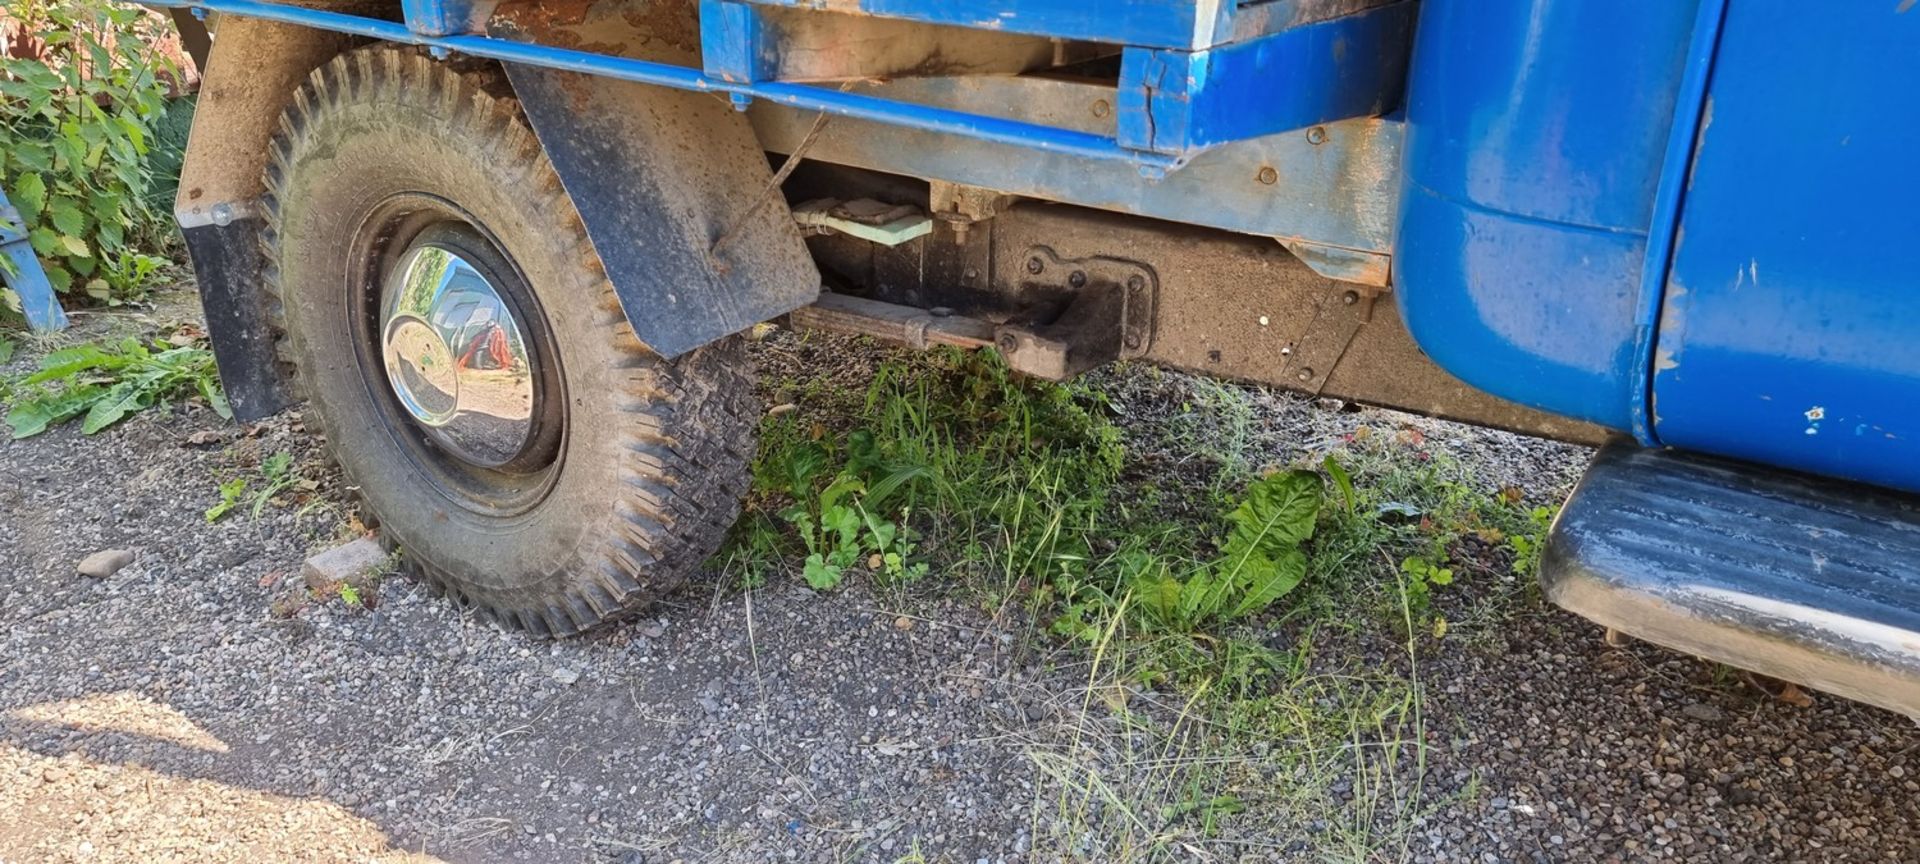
{"x":1350,"y":298}
{"x":1306,"y":374}
{"x":1317,"y":135}
{"x":1269,"y":176}
{"x":1035,"y":265}
{"x":1077,"y":279}
{"x":1132,"y":341}
{"x":1008,"y":342}
{"x":1136,"y":283}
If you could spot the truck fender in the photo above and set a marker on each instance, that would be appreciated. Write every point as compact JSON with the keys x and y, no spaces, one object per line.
{"x":253,"y":68}
{"x":675,"y":191}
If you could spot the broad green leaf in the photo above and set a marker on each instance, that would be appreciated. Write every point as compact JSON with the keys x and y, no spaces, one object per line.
{"x":819,"y":573}
{"x":29,"y":419}
{"x":123,"y":399}
{"x":66,"y":215}
{"x":30,"y":194}
{"x":44,"y":241}
{"x":68,"y":362}
{"x":1271,"y":581}
{"x":34,"y":157}
{"x":75,"y":246}
{"x":1279,"y":510}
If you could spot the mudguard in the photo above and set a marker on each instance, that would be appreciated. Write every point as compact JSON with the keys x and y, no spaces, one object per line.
{"x":250,"y":73}
{"x":673,"y":186}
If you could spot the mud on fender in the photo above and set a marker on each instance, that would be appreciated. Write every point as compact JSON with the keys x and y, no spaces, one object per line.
{"x":659,"y":176}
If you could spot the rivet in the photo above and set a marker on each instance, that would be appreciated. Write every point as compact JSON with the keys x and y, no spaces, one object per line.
{"x":1078,"y":279}
{"x":1101,"y":108}
{"x":1133,"y":341}
{"x":1306,"y":373}
{"x":1136,"y":283}
{"x":1350,"y":298}
{"x":1008,"y":342}
{"x":1268,"y":175}
{"x":1035,"y":265}
{"x":1317,"y":135}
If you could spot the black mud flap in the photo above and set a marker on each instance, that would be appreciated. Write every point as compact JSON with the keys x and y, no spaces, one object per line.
{"x":227,"y":265}
{"x":1808,"y":580}
{"x":660,"y":177}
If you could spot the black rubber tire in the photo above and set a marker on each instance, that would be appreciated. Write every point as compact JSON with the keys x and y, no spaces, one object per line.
{"x":654,"y":458}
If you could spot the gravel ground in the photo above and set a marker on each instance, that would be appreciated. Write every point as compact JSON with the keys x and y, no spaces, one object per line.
{"x":191,"y":708}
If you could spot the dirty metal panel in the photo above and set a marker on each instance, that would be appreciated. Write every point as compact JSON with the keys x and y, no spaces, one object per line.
{"x":1176,"y":101}
{"x":1335,"y":186}
{"x":1238,"y":307}
{"x":660,"y":177}
{"x":1189,"y":24}
{"x":1312,"y":356}
{"x":584,"y":56}
{"x":743,"y":42}
{"x":1790,"y":330}
{"x":253,"y":70}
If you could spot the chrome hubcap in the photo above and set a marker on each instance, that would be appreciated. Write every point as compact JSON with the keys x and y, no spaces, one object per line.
{"x":456,"y":357}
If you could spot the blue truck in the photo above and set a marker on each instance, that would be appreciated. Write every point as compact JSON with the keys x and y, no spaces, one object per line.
{"x":504,"y":251}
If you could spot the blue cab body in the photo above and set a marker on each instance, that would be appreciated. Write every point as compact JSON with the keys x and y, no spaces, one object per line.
{"x":1689,"y":224}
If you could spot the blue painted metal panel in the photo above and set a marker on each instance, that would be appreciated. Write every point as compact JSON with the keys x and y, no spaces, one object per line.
{"x":1176,"y":101}
{"x":1185,"y":24}
{"x":24,"y":275}
{"x":935,"y":119}
{"x":445,"y":17}
{"x":1791,"y":329}
{"x":1336,"y":189}
{"x":1155,"y":23}
{"x":731,"y":46}
{"x":1535,"y":137}
{"x":1687,"y":110}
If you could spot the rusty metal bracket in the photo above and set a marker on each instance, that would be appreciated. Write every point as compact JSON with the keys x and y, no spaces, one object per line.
{"x":1138,"y":285}
{"x":1340,"y":312}
{"x":1106,"y":313}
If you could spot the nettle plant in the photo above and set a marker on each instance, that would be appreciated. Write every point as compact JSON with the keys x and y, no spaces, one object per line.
{"x":75,"y":127}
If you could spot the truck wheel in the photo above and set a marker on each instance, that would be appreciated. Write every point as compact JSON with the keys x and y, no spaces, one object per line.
{"x":458,"y":342}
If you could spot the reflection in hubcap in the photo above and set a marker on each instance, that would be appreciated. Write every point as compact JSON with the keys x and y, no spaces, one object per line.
{"x":455,"y":356}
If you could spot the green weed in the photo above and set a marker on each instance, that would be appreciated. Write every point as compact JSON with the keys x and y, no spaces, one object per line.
{"x":107,"y":385}
{"x":230,"y":493}
{"x":949,"y":451}
{"x":275,"y":475}
{"x":1527,"y":543}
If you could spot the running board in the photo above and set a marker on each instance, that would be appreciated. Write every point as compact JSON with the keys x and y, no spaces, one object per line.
{"x":1808,"y":580}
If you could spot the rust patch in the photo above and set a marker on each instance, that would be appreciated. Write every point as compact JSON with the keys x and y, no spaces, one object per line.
{"x":665,"y":31}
